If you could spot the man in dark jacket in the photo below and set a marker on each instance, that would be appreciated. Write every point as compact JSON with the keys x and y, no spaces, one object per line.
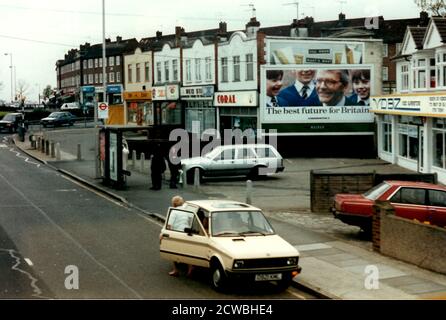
{"x":157,"y":167}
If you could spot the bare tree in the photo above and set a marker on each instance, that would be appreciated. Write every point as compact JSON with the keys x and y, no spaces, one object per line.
{"x":21,"y":91}
{"x":435,"y":7}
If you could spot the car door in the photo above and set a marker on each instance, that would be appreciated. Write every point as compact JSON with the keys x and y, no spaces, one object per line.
{"x":266,"y":158}
{"x":223,"y":164}
{"x":437,"y":207}
{"x":410,"y":203}
{"x":183,"y":238}
{"x":245,"y":160}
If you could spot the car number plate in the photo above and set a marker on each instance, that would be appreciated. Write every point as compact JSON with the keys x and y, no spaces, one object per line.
{"x":268,"y":277}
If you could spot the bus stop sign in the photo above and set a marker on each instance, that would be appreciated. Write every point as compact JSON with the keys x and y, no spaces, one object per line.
{"x":102,"y":110}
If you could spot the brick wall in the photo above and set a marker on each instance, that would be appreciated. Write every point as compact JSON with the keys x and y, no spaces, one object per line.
{"x":414,"y":242}
{"x":324,"y":186}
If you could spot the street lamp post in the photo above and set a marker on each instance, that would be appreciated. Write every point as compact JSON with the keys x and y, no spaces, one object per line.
{"x":12,"y":80}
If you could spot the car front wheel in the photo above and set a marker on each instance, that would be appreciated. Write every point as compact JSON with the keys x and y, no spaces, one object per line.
{"x":190,"y":175}
{"x":218,"y":277}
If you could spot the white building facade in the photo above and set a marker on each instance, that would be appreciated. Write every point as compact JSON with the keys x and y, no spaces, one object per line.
{"x":138,"y":88}
{"x":198,"y":83}
{"x":412,"y":123}
{"x":166,"y":88}
{"x":237,"y":97}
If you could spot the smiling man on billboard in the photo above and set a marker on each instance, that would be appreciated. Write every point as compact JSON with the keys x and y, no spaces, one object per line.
{"x":331,"y":86}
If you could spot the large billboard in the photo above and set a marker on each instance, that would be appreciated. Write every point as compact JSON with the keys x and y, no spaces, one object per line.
{"x":316,"y":99}
{"x":282,"y":52}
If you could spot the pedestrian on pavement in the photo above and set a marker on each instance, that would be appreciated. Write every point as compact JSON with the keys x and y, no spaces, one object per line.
{"x":157,"y":167}
{"x":174,"y":167}
{"x":178,"y":201}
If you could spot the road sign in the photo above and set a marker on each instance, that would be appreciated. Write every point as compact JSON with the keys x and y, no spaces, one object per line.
{"x":102,"y":110}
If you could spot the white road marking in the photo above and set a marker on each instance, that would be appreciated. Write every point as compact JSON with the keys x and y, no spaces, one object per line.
{"x":288,"y":160}
{"x":71,"y":238}
{"x":29,"y":262}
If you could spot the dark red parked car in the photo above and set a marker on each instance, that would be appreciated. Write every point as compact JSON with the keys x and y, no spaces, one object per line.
{"x":412,"y":200}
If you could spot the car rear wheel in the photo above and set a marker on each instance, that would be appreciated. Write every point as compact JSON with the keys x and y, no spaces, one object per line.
{"x":218,"y":277}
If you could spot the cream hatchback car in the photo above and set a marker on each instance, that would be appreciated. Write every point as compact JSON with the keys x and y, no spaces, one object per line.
{"x":233,"y":239}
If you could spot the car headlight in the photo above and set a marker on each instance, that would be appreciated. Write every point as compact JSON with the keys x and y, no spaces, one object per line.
{"x":291,"y":261}
{"x":239,"y":264}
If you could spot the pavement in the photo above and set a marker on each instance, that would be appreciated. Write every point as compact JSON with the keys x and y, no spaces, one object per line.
{"x":333,"y":267}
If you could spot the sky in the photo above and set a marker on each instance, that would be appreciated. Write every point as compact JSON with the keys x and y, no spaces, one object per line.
{"x":36,"y":33}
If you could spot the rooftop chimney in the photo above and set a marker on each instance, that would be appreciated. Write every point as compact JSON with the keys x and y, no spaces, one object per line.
{"x":222,"y":28}
{"x":424,"y":18}
{"x":252,"y":27}
{"x":159,"y":34}
{"x":341,"y":16}
{"x":118,"y":39}
{"x":180,"y":35}
{"x":106,"y":41}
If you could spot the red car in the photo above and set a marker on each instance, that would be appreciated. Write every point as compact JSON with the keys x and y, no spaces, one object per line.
{"x":411,"y":200}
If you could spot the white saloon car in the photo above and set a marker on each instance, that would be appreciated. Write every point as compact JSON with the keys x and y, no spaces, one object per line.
{"x":233,"y":239}
{"x":249,"y":160}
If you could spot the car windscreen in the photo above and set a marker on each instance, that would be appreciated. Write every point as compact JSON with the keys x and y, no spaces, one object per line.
{"x":9,"y":117}
{"x":240,"y":223}
{"x":376,"y":191}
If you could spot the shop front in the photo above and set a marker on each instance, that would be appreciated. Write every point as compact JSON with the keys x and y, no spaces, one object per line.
{"x":168,"y":108}
{"x":199,"y":108}
{"x":412,"y":131}
{"x":236,"y":110}
{"x":116,"y":107}
{"x":138,"y":108}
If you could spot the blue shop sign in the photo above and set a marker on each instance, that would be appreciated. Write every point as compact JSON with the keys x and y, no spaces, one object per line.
{"x":88,"y":89}
{"x":114,"y":89}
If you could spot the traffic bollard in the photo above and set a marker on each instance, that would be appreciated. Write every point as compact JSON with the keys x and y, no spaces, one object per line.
{"x":53,"y":153}
{"x":196,"y":178}
{"x":249,"y":192}
{"x":47,"y":147}
{"x":134,"y":159}
{"x":79,"y":154}
{"x":58,"y":157}
{"x":143,"y":160}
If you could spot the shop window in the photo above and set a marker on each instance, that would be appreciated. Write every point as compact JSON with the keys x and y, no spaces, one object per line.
{"x":170,"y":113}
{"x":439,"y":142}
{"x":408,"y":138}
{"x":201,"y":112}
